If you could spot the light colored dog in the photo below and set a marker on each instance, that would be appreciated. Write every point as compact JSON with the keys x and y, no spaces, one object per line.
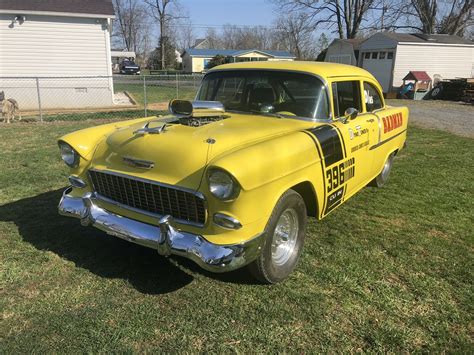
{"x":10,"y":107}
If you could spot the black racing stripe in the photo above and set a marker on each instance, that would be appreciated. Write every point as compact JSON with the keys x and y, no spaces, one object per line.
{"x":330,"y":143}
{"x":322,"y":168}
{"x":342,"y":140}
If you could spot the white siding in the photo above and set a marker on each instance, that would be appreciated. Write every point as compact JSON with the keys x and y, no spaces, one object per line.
{"x":50,"y":46}
{"x":340,"y":52}
{"x":448,"y":61}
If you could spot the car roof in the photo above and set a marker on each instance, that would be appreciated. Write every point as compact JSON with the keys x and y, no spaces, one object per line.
{"x":323,"y":69}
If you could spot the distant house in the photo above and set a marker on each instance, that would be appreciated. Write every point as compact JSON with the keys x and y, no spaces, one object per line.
{"x":201,"y":43}
{"x":56,"y":38}
{"x":345,"y":51}
{"x":196,"y":60}
{"x":391,"y":56}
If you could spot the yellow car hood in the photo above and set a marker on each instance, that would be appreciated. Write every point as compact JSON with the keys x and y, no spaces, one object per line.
{"x":180,"y":153}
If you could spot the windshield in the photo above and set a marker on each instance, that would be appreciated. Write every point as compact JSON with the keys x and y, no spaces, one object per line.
{"x":267,"y":92}
{"x":127,"y":62}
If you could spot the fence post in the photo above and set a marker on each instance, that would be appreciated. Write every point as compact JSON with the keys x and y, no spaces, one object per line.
{"x":144,"y":95}
{"x":177,"y":86}
{"x":39,"y":99}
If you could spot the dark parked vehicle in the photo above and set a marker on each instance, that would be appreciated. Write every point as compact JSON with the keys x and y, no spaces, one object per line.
{"x":129,"y":67}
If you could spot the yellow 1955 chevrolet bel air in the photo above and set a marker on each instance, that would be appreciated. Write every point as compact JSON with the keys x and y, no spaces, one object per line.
{"x":229,"y":179}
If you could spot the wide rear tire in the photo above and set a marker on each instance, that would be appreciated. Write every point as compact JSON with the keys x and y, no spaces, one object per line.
{"x":382,"y":178}
{"x":285,"y":233}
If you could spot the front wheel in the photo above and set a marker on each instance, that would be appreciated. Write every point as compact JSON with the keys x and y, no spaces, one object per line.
{"x":285,"y":232}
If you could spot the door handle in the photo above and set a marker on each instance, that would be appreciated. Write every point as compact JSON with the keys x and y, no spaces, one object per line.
{"x":370,"y":120}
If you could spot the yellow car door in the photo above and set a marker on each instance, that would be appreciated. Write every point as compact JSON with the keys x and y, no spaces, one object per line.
{"x":359,"y":132}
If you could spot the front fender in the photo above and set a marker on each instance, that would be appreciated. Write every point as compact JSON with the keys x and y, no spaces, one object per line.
{"x":265,"y":162}
{"x":265,"y":171}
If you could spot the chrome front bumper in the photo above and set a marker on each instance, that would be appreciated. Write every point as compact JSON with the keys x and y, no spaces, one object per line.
{"x":164,"y":238}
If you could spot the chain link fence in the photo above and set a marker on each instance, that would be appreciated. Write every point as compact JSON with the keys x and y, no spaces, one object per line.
{"x":96,"y":97}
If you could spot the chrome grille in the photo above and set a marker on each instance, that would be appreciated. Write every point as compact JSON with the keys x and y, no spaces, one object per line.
{"x":150,"y":197}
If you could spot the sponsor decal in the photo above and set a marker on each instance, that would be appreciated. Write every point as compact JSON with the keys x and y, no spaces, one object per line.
{"x":359,"y":146}
{"x":392,"y":122}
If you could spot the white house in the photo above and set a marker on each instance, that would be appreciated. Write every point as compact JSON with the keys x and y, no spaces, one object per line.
{"x":345,"y":51}
{"x":61,"y":42}
{"x":390,"y":56}
{"x":195,"y":60}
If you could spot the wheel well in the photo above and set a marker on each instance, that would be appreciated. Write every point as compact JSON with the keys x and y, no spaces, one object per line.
{"x":306,"y":190}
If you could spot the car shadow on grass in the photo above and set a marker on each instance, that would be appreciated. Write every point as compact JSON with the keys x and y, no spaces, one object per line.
{"x":38,"y":223}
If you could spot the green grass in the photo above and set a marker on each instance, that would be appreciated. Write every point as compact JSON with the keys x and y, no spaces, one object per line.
{"x":156,"y":93}
{"x":390,"y":270}
{"x":98,"y":115}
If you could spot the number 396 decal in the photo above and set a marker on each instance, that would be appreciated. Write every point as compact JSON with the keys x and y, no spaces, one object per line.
{"x":340,"y":174}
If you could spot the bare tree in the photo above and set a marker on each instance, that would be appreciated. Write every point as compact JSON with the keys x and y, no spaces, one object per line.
{"x":185,"y":36}
{"x":296,"y":32}
{"x":165,"y":12}
{"x":345,"y":15}
{"x":431,"y":16}
{"x":130,"y":23}
{"x":213,"y":38}
{"x":457,"y":19}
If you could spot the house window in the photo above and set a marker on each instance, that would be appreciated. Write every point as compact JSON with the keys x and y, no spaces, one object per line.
{"x":382,"y":55}
{"x":390,"y":55}
{"x":206,"y":63}
{"x":367,"y":55}
{"x":345,"y":94}
{"x":374,"y":55}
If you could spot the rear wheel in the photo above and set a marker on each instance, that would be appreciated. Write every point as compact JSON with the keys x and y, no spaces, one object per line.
{"x":382,"y":178}
{"x":285,"y":232}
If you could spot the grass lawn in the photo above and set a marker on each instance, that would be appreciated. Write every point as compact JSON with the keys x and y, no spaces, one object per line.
{"x":156,"y":93}
{"x":390,"y":270}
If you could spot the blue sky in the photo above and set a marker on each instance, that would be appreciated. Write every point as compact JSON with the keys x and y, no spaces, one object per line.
{"x":235,"y":12}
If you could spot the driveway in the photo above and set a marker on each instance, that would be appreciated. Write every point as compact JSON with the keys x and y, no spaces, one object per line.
{"x":454,"y":117}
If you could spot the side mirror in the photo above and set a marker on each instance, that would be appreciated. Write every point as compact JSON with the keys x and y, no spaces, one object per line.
{"x":349,"y":114}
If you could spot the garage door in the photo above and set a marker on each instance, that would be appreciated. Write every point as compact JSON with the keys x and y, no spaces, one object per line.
{"x":380,"y":65}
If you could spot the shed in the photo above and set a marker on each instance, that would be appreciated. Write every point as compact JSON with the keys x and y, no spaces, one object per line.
{"x":345,"y":51}
{"x":63,"y":43}
{"x":390,"y":56}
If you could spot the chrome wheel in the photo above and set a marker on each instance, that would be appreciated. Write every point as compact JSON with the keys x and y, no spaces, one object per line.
{"x":285,"y":237}
{"x":386,"y":169}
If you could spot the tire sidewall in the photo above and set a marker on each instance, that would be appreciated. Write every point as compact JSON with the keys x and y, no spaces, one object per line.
{"x":380,"y":179}
{"x":275,"y":273}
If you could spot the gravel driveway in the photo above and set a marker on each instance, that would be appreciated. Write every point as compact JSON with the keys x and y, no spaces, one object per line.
{"x":454,"y":117}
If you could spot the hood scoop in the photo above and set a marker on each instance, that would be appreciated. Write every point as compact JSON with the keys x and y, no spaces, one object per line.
{"x":197,"y":113}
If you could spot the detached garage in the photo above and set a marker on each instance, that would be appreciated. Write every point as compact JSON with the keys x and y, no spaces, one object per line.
{"x":391,"y":56}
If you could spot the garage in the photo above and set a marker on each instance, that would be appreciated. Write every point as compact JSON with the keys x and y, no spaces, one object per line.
{"x":380,"y":64}
{"x":390,"y":56}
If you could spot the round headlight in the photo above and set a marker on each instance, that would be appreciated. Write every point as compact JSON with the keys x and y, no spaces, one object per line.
{"x":68,"y":155}
{"x":222,"y":185}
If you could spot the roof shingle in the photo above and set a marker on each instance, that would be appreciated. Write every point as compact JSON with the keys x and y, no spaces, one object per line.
{"x":94,"y":7}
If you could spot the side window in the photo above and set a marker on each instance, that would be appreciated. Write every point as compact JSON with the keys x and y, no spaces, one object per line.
{"x":346,"y":94}
{"x":372,"y":98}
